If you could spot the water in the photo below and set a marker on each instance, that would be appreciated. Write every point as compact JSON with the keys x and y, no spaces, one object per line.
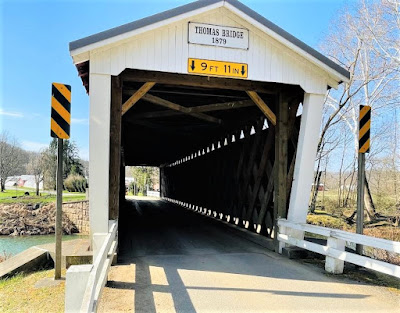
{"x":14,"y":245}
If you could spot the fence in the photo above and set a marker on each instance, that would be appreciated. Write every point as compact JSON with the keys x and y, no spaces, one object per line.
{"x":335,"y":249}
{"x":84,"y":283}
{"x":151,"y":193}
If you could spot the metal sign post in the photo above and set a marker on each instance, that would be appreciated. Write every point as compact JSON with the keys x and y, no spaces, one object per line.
{"x":59,"y":229}
{"x":363,"y":147}
{"x":360,"y":199}
{"x":60,"y":128}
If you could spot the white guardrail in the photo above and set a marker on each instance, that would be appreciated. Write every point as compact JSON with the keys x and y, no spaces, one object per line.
{"x":84,"y":283}
{"x":335,"y":249}
{"x":151,"y":193}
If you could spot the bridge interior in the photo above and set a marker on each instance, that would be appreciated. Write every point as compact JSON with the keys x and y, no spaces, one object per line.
{"x":215,"y":140}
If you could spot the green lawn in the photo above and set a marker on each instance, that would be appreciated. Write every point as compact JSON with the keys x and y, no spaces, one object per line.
{"x":385,"y":203}
{"x":18,"y":294}
{"x":13,"y":195}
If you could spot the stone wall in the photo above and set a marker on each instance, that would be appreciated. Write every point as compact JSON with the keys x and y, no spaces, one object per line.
{"x":78,"y":213}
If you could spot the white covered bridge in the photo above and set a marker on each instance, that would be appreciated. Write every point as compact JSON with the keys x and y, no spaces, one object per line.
{"x":208,"y":92}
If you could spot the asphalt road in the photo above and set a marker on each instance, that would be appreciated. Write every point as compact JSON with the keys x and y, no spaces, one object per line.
{"x":172,"y":260}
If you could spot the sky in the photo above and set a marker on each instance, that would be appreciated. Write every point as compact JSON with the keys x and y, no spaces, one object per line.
{"x":34,"y":38}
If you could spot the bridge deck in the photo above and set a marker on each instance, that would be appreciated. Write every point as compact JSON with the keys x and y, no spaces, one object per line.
{"x":171,"y":260}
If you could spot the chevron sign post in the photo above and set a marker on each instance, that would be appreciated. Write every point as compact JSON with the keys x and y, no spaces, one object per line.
{"x":363,"y":147}
{"x":60,"y":129}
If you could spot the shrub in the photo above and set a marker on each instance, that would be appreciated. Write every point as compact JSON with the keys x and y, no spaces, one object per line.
{"x":75,"y":183}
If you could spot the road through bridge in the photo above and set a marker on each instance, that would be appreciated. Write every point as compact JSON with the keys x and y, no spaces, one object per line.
{"x":175,"y":260}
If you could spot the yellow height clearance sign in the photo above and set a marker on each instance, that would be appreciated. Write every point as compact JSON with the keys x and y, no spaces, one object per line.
{"x":60,"y":110}
{"x":364,"y":129}
{"x":217,"y":68}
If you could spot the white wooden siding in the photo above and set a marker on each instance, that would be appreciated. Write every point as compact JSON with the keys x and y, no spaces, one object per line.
{"x":167,"y":49}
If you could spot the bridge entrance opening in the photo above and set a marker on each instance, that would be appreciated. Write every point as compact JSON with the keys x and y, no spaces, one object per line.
{"x":215,"y":140}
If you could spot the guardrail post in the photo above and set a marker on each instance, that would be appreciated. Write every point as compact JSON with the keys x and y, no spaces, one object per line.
{"x":281,"y":245}
{"x":333,"y":265}
{"x":98,"y":240}
{"x":75,"y":286}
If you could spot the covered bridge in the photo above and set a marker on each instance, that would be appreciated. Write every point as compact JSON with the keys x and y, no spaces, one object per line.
{"x":210,"y":93}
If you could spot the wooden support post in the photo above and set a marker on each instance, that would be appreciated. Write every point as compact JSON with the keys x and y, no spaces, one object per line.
{"x":115,"y":147}
{"x":281,"y":162}
{"x":136,"y":96}
{"x":122,"y":190}
{"x":263,"y":106}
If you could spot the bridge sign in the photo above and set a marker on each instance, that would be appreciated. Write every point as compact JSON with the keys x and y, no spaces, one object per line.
{"x":60,"y":110}
{"x":221,"y":36}
{"x":217,"y":68}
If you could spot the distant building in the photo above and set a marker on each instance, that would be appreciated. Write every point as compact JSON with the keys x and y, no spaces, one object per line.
{"x":321,"y":187}
{"x":27,"y":181}
{"x":128,"y":181}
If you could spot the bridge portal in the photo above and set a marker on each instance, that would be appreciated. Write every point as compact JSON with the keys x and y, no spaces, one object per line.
{"x":226,"y":103}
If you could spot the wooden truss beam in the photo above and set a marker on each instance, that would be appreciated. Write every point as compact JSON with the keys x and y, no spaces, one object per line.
{"x":131,"y":75}
{"x":263,"y":106}
{"x":115,"y":147}
{"x":281,"y":162}
{"x":199,"y":109}
{"x":177,"y":107}
{"x":137,"y":96}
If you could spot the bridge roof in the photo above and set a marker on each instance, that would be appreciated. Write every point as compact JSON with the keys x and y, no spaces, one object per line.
{"x":115,"y":34}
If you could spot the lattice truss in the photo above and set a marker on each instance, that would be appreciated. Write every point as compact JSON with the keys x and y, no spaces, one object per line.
{"x":233,"y":177}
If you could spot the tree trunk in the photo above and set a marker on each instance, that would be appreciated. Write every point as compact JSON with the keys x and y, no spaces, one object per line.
{"x":3,"y":185}
{"x":37,"y":188}
{"x":316,"y":186}
{"x":369,"y":204}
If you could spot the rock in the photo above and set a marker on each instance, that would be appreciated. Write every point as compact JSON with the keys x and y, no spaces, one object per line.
{"x":6,"y":231}
{"x":20,"y":219}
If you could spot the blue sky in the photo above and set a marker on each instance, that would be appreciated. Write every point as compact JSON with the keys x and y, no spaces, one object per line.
{"x":34,"y":38}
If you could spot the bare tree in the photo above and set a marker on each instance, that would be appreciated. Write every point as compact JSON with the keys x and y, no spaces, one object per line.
{"x":36,"y":168}
{"x":10,"y":158}
{"x":365,"y":40}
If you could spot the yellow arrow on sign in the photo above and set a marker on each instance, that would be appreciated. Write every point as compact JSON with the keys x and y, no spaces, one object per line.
{"x":217,"y":68}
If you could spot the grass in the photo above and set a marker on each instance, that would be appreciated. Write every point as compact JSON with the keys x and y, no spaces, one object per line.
{"x":327,"y":220}
{"x":7,"y":196}
{"x":385,"y":203}
{"x":18,"y":294}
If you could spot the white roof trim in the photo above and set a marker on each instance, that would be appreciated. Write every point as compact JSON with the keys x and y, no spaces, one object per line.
{"x":287,"y":43}
{"x":145,"y":29}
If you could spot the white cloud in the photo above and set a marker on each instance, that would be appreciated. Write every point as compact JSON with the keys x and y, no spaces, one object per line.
{"x":11,"y":114}
{"x":80,"y":121}
{"x":33,"y":145}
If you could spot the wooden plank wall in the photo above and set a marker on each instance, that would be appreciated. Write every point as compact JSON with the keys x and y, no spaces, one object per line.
{"x":167,"y":49}
{"x":234,"y":182}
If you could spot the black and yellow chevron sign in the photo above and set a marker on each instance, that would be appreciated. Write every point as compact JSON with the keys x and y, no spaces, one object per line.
{"x":60,"y":110}
{"x":364,"y":129}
